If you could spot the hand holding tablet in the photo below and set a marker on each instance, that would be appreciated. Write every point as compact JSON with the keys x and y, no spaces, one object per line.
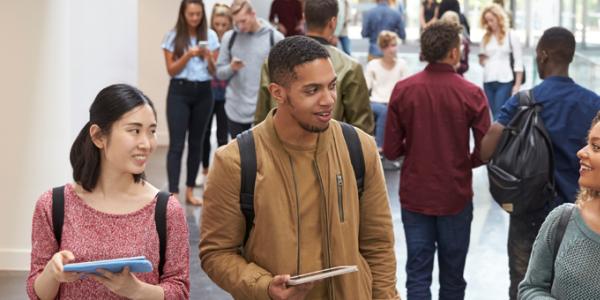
{"x":138,"y":264}
{"x":321,"y":274}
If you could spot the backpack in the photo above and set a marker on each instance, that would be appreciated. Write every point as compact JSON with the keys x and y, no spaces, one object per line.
{"x":248,"y":165}
{"x":521,"y":171}
{"x":559,"y":233}
{"x":234,"y":35}
{"x":160,"y":218}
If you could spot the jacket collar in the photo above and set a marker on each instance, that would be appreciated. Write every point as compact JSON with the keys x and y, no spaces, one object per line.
{"x":319,"y":39}
{"x":439,"y":67}
{"x":270,"y":134}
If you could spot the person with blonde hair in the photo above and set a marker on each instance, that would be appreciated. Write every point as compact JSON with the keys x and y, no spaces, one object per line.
{"x":501,"y":79}
{"x":453,"y":17}
{"x":381,"y":75}
{"x":221,"y":21}
{"x":566,"y":267}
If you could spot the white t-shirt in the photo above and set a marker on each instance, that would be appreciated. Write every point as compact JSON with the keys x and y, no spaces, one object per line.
{"x":497,"y":67}
{"x":381,"y":81}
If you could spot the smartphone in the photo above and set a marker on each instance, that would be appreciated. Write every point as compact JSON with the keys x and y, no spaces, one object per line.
{"x":321,"y":274}
{"x":203,"y":44}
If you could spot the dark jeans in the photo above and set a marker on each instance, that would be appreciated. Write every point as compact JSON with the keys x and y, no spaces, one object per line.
{"x":450,"y":235}
{"x":522,"y":232}
{"x":497,"y":93}
{"x":236,"y":128}
{"x":189,"y":107}
{"x":222,"y":137}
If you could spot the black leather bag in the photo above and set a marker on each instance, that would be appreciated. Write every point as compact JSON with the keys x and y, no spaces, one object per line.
{"x":521,"y":171}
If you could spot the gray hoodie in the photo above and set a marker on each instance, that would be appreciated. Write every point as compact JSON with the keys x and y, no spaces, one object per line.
{"x":242,"y":89}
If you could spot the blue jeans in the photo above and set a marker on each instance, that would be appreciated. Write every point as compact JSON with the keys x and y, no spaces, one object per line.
{"x":450,"y":235}
{"x":497,"y":94}
{"x":345,"y":43}
{"x":380,"y":113}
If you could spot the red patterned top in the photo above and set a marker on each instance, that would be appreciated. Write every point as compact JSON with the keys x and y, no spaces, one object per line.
{"x":94,"y":235}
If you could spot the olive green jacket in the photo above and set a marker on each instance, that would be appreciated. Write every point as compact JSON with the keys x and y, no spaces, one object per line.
{"x":352,"y":104}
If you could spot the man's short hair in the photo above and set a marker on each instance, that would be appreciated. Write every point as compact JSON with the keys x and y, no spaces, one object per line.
{"x":319,"y":12}
{"x":559,"y":43}
{"x":239,"y":6}
{"x":289,"y":53}
{"x":438,"y":39}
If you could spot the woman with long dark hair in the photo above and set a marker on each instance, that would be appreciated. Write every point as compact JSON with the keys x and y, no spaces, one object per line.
{"x":109,"y":211}
{"x":189,"y":56}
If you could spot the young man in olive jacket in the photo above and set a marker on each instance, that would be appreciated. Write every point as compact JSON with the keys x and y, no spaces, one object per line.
{"x":353,"y":104}
{"x":308,"y":215}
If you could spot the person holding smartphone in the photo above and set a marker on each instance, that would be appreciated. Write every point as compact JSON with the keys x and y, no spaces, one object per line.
{"x":189,"y":50}
{"x":244,"y":50}
{"x":109,"y":211}
{"x":500,"y":79}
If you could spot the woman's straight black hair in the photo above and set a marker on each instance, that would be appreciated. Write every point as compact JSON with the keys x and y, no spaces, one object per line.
{"x":110,"y":105}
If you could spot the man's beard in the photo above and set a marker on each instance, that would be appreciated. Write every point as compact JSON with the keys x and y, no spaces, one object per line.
{"x":307,"y":127}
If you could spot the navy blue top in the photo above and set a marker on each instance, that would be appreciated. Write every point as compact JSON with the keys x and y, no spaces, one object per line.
{"x":379,"y":18}
{"x":567,"y":113}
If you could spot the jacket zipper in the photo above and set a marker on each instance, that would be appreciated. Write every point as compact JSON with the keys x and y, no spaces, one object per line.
{"x":297,"y":217}
{"x":326,"y":215}
{"x":340,"y":188}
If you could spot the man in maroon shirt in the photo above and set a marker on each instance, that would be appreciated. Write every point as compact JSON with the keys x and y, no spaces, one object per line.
{"x":289,"y":16}
{"x":429,"y":118}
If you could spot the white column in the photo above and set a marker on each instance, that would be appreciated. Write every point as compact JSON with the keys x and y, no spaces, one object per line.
{"x":58,"y":54}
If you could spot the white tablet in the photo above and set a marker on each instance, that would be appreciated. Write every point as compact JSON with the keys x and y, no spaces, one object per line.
{"x":321,"y":274}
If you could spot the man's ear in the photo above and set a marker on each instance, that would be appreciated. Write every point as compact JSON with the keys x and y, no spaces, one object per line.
{"x":544,"y":57}
{"x":97,"y":136}
{"x":278,"y":92}
{"x":332,"y":23}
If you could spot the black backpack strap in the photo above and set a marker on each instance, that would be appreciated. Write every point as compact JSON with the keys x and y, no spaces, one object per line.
{"x":526,"y":98}
{"x":356,"y":155}
{"x":160,"y":219}
{"x":58,"y":212}
{"x":559,"y":233}
{"x":272,"y":37}
{"x":230,"y":44}
{"x":247,"y":148}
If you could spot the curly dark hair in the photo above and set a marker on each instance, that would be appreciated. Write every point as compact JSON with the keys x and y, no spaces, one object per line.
{"x":438,"y":39}
{"x":289,"y":53}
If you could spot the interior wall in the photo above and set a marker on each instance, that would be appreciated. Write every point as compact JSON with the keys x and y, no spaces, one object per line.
{"x":60,"y":54}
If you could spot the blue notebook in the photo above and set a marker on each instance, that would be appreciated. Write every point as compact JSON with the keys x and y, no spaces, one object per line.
{"x":138,"y":264}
